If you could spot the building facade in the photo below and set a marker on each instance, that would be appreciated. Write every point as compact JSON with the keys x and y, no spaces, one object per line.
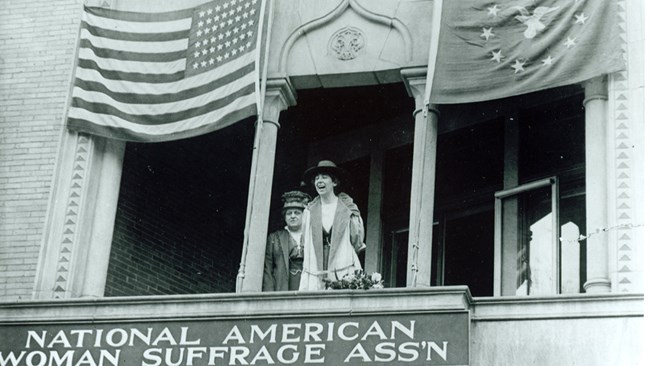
{"x":513,"y":227}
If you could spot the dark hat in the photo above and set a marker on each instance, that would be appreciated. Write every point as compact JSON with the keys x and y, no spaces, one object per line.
{"x":295,"y":199}
{"x":324,"y":167}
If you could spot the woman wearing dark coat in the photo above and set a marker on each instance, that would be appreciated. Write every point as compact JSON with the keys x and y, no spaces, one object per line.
{"x":284,"y":249}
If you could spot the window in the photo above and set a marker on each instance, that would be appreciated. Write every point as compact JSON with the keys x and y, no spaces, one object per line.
{"x":526,"y":239}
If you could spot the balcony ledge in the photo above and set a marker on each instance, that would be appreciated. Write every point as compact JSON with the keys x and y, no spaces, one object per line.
{"x":246,"y":305}
{"x":322,"y":303}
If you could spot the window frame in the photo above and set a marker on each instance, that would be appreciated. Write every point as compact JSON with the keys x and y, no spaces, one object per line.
{"x":499,"y":196}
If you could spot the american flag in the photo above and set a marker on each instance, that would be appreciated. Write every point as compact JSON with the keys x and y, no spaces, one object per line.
{"x":166,"y":76}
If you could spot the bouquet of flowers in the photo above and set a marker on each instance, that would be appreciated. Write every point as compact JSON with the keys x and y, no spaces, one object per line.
{"x":358,"y":280}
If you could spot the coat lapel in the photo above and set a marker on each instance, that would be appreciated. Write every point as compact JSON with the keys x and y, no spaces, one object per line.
{"x":285,"y":240}
{"x":341,"y":218}
{"x":316,"y":223}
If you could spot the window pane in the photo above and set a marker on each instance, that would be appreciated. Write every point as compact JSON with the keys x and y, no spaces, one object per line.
{"x":528,"y":223}
{"x":573,"y":250}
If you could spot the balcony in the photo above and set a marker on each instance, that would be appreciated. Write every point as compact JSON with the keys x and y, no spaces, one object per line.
{"x":433,"y":326}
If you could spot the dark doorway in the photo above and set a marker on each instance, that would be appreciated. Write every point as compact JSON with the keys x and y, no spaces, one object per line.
{"x":469,"y":253}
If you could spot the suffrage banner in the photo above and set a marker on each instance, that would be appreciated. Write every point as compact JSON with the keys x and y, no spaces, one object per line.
{"x":395,"y":339}
{"x":491,"y":49}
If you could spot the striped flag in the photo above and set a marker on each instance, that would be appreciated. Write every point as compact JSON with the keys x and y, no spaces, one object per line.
{"x":165,"y":76}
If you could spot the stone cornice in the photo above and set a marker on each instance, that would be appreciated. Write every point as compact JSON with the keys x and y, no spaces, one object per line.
{"x":258,"y":305}
{"x":557,"y":307}
{"x":323,"y":303}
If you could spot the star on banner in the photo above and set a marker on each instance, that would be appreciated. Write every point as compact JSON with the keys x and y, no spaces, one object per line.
{"x":497,"y":56}
{"x":518,"y":66}
{"x":570,"y":42}
{"x":548,"y":61}
{"x":492,"y":11}
{"x":581,"y":19}
{"x":487,"y":33}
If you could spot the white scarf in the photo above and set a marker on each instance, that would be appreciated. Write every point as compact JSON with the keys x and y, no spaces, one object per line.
{"x":345,"y":260}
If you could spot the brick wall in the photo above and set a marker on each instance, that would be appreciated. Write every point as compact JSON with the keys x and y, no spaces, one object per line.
{"x":37,"y":42}
{"x":175,"y":233}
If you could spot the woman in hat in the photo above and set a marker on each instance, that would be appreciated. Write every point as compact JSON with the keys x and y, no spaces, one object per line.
{"x":284,"y":251}
{"x":333,"y":229}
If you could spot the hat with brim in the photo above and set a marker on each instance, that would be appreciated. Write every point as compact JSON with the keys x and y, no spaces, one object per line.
{"x":324,"y":167}
{"x":295,"y":199}
{"x":295,"y":205}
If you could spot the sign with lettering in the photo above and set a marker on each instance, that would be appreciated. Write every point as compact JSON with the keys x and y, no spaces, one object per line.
{"x":394,"y":339}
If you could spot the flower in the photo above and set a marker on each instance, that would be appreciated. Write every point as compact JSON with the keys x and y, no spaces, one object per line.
{"x":358,"y":280}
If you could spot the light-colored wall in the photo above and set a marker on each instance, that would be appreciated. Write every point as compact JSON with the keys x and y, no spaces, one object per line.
{"x":576,"y":342}
{"x":565,"y":330}
{"x":394,"y":34}
{"x":37,"y":44}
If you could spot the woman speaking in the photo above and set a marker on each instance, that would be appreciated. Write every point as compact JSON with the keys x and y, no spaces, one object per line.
{"x":333,"y":229}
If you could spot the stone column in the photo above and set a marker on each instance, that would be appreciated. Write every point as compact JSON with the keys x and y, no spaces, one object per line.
{"x":81,"y":215}
{"x":596,"y":172}
{"x":422,"y":184}
{"x":96,"y":258}
{"x":279,"y":96}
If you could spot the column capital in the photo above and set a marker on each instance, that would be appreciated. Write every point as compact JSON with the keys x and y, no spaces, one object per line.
{"x":280,"y":95}
{"x":415,"y":79}
{"x":595,"y":89}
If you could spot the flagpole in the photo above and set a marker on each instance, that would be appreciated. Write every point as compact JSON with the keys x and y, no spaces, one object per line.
{"x":259,"y":123}
{"x":436,"y":24}
{"x":426,"y":102}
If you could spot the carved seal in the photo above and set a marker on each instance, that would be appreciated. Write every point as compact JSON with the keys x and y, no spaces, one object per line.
{"x":347,"y":43}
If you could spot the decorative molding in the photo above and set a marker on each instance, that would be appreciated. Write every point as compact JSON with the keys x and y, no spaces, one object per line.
{"x":263,"y":304}
{"x":340,"y":302}
{"x":580,"y":306}
{"x":79,"y":228}
{"x":280,"y":95}
{"x":619,"y":101}
{"x":415,"y":80}
{"x":334,"y":14}
{"x":347,"y":43}
{"x":71,"y":218}
{"x":595,"y":89}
